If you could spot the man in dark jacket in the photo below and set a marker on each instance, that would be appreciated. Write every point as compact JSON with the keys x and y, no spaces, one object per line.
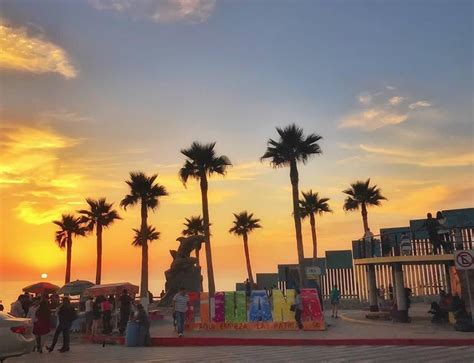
{"x":66,"y":314}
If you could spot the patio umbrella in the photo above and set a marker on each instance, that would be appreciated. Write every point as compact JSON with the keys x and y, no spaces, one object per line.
{"x":75,"y":287}
{"x":41,"y":288}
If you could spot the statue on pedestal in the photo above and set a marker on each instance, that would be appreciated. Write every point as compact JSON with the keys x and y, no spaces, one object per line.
{"x":184,"y":270}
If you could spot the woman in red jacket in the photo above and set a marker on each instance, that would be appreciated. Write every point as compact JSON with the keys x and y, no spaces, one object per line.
{"x":42,"y":324}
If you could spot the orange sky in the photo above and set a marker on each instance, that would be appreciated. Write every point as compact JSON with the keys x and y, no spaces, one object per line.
{"x":81,"y":109}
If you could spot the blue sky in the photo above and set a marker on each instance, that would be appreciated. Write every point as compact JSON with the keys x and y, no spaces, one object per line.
{"x":388,"y":84}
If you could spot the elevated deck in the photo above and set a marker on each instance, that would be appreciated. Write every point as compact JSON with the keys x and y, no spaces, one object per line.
{"x":406,"y":260}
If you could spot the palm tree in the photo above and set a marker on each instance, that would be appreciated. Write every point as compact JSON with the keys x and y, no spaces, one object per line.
{"x":244,"y":223}
{"x":202,"y":162}
{"x":310,"y":205}
{"x":100,"y":215}
{"x":151,"y":234}
{"x":291,"y":148}
{"x":143,"y":191}
{"x":194,"y":227}
{"x":69,"y":226}
{"x":362,"y":195}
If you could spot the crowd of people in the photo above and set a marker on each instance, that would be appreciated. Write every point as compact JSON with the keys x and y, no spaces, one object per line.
{"x":48,"y":313}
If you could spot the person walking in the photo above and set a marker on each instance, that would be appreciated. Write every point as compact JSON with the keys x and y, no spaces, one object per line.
{"x":42,"y":324}
{"x":106,"y":309}
{"x":66,"y":314}
{"x":125,"y":302}
{"x":335,"y":297}
{"x":180,"y":306}
{"x":144,"y":339}
{"x":298,"y":308}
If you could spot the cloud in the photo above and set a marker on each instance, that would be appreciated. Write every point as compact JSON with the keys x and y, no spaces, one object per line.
{"x":396,"y":100}
{"x":160,"y":11}
{"x":372,"y":119}
{"x":419,"y":104}
{"x":379,"y":109}
{"x":63,"y":115}
{"x":32,"y":213}
{"x":22,"y":52}
{"x":365,"y":98}
{"x":423,"y":158}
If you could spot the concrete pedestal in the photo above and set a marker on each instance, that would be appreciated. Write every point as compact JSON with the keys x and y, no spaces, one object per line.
{"x":372,"y":288}
{"x":401,"y":315}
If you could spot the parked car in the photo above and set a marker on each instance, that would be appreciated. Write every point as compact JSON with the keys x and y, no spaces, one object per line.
{"x":16,"y":336}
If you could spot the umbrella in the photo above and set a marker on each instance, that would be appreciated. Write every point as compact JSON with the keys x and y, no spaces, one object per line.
{"x":75,"y":287}
{"x":41,"y":288}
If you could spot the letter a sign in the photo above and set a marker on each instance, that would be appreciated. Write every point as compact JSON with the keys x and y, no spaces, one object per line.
{"x":464,"y":260}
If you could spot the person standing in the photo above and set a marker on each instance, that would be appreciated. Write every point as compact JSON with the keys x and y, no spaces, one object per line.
{"x":180,"y":306}
{"x":96,"y":315}
{"x":298,"y":309}
{"x":335,"y":297}
{"x":125,"y":307}
{"x":42,"y":324}
{"x":432,"y":226}
{"x":144,"y":339}
{"x":32,"y":310}
{"x":443,"y":233}
{"x":16,"y":309}
{"x":248,"y":288}
{"x":89,"y":307}
{"x":66,"y":314}
{"x":106,"y":309}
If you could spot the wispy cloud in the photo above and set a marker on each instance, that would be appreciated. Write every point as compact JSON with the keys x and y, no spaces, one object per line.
{"x":396,"y":100}
{"x":63,"y":115}
{"x":372,"y":119}
{"x":23,"y":52}
{"x":423,"y":158}
{"x":160,"y":11}
{"x":419,"y":104}
{"x":379,"y":109}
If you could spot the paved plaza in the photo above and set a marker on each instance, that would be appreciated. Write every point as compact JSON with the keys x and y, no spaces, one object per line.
{"x":352,"y":327}
{"x":96,"y":353}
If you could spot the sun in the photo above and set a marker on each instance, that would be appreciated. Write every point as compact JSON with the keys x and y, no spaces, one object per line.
{"x":44,"y":275}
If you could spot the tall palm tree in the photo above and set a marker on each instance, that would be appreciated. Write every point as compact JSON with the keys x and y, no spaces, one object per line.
{"x":202,"y":162}
{"x":291,"y":148}
{"x":143,"y":191}
{"x":362,"y":195}
{"x":69,"y":226}
{"x":244,"y":223}
{"x":311,"y":205}
{"x":151,"y":234}
{"x":194,"y":227}
{"x":100,"y":215}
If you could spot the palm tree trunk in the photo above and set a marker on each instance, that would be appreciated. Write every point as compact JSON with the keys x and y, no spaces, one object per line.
{"x":296,"y":215}
{"x":68,"y":258}
{"x":247,"y":259}
{"x":197,"y":258}
{"x":98,"y":272}
{"x":363,"y":211}
{"x":144,"y":277}
{"x":312,"y":222}
{"x":207,"y":235}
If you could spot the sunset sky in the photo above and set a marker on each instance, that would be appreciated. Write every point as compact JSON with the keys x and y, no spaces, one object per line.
{"x":91,"y":90}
